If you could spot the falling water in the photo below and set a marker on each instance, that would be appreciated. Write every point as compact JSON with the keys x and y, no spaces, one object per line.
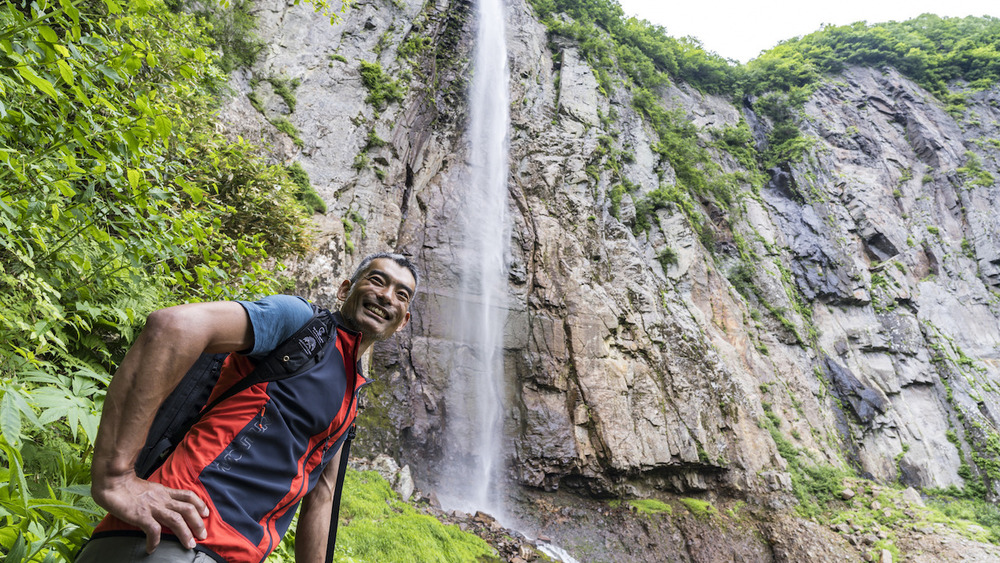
{"x":472,"y":442}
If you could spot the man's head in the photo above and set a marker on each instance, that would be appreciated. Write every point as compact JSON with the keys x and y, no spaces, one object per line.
{"x":376,"y":300}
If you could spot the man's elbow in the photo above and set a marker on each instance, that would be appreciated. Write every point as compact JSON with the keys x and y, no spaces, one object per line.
{"x":322,"y":493}
{"x":164,"y":323}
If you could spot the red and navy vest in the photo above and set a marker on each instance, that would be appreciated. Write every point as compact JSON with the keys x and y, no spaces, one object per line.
{"x":254,"y":455}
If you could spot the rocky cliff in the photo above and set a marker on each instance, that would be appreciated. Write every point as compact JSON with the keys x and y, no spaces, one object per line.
{"x":842,"y":313}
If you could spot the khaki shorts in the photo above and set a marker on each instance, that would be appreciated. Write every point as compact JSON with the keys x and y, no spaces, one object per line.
{"x":133,"y":549}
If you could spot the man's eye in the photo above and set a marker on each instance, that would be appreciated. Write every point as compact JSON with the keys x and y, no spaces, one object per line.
{"x":403,"y":296}
{"x":376,"y":280}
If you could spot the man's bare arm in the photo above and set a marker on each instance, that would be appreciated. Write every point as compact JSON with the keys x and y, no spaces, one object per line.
{"x":313,"y":530}
{"x":170,"y":343}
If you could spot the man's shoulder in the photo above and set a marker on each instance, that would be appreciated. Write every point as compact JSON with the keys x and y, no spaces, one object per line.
{"x":275,"y":318}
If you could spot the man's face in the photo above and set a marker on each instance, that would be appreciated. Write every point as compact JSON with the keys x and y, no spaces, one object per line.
{"x":378,"y":304}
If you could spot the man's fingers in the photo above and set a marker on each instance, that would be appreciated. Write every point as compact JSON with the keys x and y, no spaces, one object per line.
{"x":152,"y":529}
{"x":190,"y":519}
{"x":153,"y":508}
{"x":190,"y":498}
{"x":182,"y":519}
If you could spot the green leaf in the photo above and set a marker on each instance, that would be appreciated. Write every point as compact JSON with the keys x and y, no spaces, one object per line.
{"x":109,"y":72}
{"x":71,"y":11}
{"x":48,"y":34}
{"x":19,"y":551}
{"x":64,"y":188}
{"x":134,"y":177}
{"x":64,"y":71}
{"x":39,"y":82}
{"x":162,"y":125}
{"x":197,"y":194}
{"x":10,"y":418}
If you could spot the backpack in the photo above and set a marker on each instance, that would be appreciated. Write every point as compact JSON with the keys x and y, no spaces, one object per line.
{"x":188,"y":402}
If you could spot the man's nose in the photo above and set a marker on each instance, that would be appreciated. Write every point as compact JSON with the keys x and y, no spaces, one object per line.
{"x":384,"y":293}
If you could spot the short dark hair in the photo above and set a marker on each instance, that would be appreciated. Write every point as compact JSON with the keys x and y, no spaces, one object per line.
{"x":397,"y":258}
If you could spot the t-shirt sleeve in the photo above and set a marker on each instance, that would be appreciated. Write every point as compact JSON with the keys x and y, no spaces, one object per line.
{"x":275,"y":318}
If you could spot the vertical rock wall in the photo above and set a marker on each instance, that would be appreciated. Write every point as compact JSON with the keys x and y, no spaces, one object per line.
{"x":625,"y":374}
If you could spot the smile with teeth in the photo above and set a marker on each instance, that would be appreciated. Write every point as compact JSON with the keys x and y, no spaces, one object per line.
{"x":377,"y":310}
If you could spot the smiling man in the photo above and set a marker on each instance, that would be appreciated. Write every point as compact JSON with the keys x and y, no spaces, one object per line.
{"x":230,"y":488}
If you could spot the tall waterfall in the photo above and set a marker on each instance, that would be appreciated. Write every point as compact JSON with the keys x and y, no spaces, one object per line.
{"x":473,"y":437}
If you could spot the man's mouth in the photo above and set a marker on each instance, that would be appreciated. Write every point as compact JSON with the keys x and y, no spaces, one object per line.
{"x":378,"y":311}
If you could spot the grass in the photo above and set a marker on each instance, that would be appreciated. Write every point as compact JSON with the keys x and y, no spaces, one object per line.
{"x":959,"y":513}
{"x":375,"y":525}
{"x":699,"y":508}
{"x":646,"y":506}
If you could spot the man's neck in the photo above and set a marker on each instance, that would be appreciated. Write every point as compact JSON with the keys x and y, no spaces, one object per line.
{"x":366,"y":342}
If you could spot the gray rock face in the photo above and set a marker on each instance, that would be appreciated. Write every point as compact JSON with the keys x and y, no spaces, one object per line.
{"x":873,"y":337}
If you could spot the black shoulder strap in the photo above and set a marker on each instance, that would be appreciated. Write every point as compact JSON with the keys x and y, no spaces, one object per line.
{"x":345,"y":452}
{"x":176,"y":415}
{"x":302,"y":350}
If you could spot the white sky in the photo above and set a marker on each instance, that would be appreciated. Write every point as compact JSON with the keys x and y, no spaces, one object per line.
{"x":741,"y":29}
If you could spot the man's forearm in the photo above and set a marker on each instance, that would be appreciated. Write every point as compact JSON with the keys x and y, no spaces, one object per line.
{"x":313,"y":530}
{"x":149,"y":372}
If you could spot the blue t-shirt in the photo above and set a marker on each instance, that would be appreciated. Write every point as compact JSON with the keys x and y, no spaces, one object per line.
{"x":275,"y":318}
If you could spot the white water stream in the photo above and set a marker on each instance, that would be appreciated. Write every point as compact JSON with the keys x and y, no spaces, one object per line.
{"x":472,"y":441}
{"x":473,"y":475}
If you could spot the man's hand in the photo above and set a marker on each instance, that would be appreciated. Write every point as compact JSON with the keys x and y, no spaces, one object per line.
{"x":151,"y":507}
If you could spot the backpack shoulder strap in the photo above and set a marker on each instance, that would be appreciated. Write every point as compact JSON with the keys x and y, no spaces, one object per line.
{"x":176,"y":414}
{"x":302,"y":350}
{"x":345,"y":453}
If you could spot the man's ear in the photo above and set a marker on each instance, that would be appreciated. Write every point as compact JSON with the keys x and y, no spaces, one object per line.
{"x":406,"y":320}
{"x":344,"y":289}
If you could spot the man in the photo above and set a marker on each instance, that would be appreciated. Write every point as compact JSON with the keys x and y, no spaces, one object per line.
{"x":230,"y":488}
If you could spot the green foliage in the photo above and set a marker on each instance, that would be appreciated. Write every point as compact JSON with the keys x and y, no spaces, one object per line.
{"x":642,"y":50}
{"x":978,"y":510}
{"x":232,"y":28}
{"x":285,"y":89}
{"x":661,"y":198}
{"x":667,"y":257}
{"x":931,"y":50}
{"x":814,"y":485}
{"x":973,"y":172}
{"x":741,"y":277}
{"x":306,"y":194}
{"x":376,"y":526}
{"x":382,"y":90}
{"x":785,"y":142}
{"x":374,"y":141}
{"x":282,"y":124}
{"x":738,"y":141}
{"x":615,"y":197}
{"x":414,"y":45}
{"x":117,"y":196}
